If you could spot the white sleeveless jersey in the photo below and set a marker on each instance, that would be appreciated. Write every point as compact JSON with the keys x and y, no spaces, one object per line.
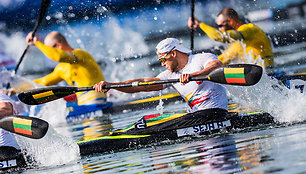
{"x":198,"y":94}
{"x":7,"y":138}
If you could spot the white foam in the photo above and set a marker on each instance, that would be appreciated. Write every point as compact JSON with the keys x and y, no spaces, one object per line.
{"x":286,"y":105}
{"x":52,"y":149}
{"x":160,"y":107}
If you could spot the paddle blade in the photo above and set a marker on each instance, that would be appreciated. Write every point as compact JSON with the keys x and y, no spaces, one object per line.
{"x":30,"y":127}
{"x":44,"y":95}
{"x":237,"y":74}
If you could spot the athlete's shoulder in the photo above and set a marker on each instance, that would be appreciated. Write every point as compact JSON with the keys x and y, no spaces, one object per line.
{"x":80,"y":51}
{"x":203,"y":55}
{"x":249,"y":26}
{"x":82,"y":54}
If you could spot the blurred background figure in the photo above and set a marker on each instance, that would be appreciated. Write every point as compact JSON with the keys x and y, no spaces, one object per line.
{"x":77,"y":67}
{"x":244,"y":40}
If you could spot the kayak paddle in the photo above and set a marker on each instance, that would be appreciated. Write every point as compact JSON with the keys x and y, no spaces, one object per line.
{"x":27,"y":126}
{"x":301,"y":76}
{"x":235,"y":74}
{"x":43,"y":8}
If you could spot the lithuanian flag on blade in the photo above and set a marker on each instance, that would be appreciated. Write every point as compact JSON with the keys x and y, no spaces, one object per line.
{"x":44,"y":97}
{"x":22,"y":126}
{"x":234,"y":75}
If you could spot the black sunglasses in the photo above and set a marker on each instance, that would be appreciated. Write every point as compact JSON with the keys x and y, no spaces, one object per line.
{"x":222,"y":25}
{"x":163,"y":59}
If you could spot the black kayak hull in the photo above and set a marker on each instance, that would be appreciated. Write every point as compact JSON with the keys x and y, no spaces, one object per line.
{"x":11,"y":161}
{"x":122,"y":142}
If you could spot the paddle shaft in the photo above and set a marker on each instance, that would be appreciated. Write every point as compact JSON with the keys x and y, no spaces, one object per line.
{"x":192,"y":30}
{"x":43,"y":9}
{"x":135,"y":84}
{"x":42,"y":12}
{"x":235,"y":74}
{"x":301,"y":76}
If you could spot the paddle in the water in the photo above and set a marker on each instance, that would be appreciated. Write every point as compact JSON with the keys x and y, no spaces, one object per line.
{"x":27,"y":126}
{"x":235,"y":74}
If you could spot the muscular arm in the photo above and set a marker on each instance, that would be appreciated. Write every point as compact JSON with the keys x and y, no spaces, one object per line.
{"x":48,"y":80}
{"x":208,"y":68}
{"x":52,"y":78}
{"x":148,"y":88}
{"x":220,"y":36}
{"x":6,"y":109}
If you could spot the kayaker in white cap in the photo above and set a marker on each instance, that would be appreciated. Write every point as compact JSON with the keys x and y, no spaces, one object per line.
{"x":205,"y":98}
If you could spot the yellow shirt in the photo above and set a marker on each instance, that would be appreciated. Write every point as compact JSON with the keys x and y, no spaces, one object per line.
{"x":255,"y":40}
{"x":77,"y":68}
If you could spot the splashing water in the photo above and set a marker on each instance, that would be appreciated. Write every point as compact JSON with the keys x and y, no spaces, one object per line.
{"x":105,"y":41}
{"x":16,"y":44}
{"x":160,"y":106}
{"x":286,"y":105}
{"x":242,"y":55}
{"x":52,"y":149}
{"x":54,"y":112}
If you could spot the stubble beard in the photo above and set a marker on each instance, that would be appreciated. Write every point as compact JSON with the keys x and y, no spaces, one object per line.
{"x":173,"y":67}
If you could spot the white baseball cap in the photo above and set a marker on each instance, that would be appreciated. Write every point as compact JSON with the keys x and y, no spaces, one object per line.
{"x":168,"y":44}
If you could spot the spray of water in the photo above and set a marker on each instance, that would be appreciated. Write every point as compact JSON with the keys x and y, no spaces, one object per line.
{"x":54,"y":112}
{"x":16,"y":46}
{"x":52,"y":149}
{"x":160,"y":106}
{"x":286,"y":105}
{"x":49,"y":150}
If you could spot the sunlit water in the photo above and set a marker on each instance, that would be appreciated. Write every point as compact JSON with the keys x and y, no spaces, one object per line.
{"x":265,"y":149}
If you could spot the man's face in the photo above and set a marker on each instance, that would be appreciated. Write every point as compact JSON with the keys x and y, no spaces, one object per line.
{"x":168,"y":61}
{"x":223,"y":23}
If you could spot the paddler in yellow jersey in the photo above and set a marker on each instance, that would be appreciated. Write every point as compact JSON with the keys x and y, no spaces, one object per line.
{"x":243,"y":40}
{"x":77,"y":67}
